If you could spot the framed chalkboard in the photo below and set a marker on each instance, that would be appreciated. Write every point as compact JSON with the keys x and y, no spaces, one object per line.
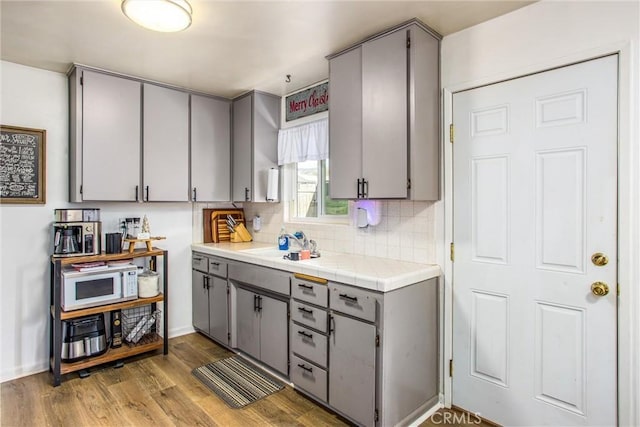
{"x":22,"y":165}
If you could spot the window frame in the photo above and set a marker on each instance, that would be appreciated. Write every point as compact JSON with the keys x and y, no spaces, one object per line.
{"x":291,"y":185}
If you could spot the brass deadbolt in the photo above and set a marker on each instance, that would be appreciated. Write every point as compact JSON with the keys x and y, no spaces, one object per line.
{"x":599,"y":289}
{"x":599,"y":259}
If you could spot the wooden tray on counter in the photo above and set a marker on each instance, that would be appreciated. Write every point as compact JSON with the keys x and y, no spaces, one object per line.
{"x":215,"y":224}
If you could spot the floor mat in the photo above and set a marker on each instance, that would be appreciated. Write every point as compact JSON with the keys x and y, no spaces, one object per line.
{"x":236,"y":381}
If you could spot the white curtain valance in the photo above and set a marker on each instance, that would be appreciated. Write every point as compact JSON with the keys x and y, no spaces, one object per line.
{"x":305,"y":142}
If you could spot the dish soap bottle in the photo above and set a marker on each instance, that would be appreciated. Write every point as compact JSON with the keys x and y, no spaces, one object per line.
{"x":283,"y":240}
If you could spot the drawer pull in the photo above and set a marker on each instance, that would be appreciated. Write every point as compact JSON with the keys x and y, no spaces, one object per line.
{"x":301,"y":365}
{"x":302,"y":285}
{"x":306,"y":335}
{"x":348,"y":298}
{"x":305,"y":310}
{"x":197,"y":259}
{"x":310,"y":278}
{"x":216,"y":264}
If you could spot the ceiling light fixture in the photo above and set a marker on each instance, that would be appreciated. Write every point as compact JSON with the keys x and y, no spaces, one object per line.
{"x":159,"y":15}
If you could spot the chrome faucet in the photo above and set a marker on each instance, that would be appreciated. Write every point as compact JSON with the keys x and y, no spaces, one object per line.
{"x":302,"y":242}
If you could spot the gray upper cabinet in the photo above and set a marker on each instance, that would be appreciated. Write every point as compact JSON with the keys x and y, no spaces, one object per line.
{"x":256,"y":120}
{"x":210,"y":149}
{"x":345,"y":124}
{"x":384,"y":116}
{"x":384,"y":113}
{"x":132,"y":140}
{"x":105,"y":137}
{"x":165,"y":144}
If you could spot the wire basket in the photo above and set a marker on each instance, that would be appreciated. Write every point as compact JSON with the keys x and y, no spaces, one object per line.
{"x":140,"y":325}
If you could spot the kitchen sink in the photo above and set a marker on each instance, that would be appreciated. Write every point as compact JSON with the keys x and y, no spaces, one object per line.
{"x":266,"y":252}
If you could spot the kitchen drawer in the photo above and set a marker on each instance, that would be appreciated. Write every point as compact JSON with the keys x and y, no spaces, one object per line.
{"x":352,"y":301}
{"x":218,"y":267}
{"x":306,"y":290}
{"x":308,"y":377}
{"x":200,"y":262}
{"x":309,"y":315}
{"x":309,"y":344}
{"x":261,"y":277}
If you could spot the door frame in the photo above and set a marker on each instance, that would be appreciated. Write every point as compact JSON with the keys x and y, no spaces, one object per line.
{"x":628,"y":323}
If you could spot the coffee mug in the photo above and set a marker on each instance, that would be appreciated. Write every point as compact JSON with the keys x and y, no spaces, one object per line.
{"x":293,"y":256}
{"x":113,"y":243}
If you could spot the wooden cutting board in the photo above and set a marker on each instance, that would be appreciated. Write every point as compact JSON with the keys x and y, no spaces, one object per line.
{"x":214,"y":224}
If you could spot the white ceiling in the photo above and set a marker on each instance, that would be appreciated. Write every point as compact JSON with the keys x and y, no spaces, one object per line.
{"x":231,"y":47}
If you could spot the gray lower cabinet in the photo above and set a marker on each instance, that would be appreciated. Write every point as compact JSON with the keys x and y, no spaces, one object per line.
{"x":200,"y":301}
{"x":248,"y":322}
{"x":352,"y":368}
{"x":370,"y":356}
{"x":210,"y":300}
{"x":261,"y":328}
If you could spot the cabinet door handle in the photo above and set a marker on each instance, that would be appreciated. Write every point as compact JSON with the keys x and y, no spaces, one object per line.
{"x":365,"y":189}
{"x":303,"y":366}
{"x":246,"y":194}
{"x":359,"y":189}
{"x":332,"y":324}
{"x":259,"y":303}
{"x":348,"y":298}
{"x":306,"y":335}
{"x":302,"y":285}
{"x":305,"y":310}
{"x":255,"y":302}
{"x":137,"y":196}
{"x":147,"y":193}
{"x":195,"y":194}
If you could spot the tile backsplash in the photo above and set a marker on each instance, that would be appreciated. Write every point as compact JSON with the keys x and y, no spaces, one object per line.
{"x":405,"y":230}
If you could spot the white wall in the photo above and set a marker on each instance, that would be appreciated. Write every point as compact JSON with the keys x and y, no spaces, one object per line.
{"x":542,"y":36}
{"x":38,"y":99}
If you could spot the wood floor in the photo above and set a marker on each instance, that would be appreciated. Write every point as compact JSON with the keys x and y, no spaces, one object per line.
{"x":153,"y":390}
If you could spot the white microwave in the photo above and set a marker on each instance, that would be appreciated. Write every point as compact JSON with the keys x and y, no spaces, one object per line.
{"x":83,"y":289}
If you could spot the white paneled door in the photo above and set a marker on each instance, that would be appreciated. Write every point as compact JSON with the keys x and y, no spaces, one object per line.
{"x":534,"y":275}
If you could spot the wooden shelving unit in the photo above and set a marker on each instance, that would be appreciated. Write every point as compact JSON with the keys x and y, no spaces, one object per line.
{"x":112,"y":355}
{"x":64,"y":315}
{"x":59,"y":368}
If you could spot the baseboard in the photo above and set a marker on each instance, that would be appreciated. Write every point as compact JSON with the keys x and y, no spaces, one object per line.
{"x":176,"y":332}
{"x":423,"y":413}
{"x":23,"y":371}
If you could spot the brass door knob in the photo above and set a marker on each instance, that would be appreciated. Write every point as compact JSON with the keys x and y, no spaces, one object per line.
{"x":599,"y":289}
{"x":599,"y":259}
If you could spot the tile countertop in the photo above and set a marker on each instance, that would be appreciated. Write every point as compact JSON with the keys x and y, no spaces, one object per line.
{"x":378,"y":274}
